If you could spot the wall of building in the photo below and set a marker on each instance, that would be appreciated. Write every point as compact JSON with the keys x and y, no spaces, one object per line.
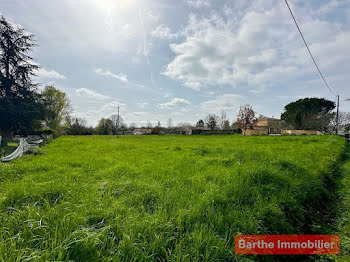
{"x":254,"y":132}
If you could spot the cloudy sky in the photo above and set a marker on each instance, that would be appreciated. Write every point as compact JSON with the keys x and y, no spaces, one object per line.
{"x":183,"y":59}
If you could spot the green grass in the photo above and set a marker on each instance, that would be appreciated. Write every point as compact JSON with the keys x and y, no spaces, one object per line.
{"x":152,"y":198}
{"x":343,"y":222}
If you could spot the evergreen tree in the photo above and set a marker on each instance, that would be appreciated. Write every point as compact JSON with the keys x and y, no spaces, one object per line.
{"x":21,"y":107}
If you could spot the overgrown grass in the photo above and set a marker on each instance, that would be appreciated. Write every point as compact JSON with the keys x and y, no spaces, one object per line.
{"x":342,"y":225}
{"x":151,"y":198}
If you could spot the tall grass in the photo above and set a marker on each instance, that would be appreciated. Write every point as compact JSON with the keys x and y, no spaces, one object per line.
{"x":151,"y":198}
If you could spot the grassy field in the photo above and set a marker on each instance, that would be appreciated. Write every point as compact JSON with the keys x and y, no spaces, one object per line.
{"x":176,"y":198}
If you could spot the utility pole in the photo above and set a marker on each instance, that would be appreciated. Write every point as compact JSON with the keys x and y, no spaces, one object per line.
{"x":337,"y":117}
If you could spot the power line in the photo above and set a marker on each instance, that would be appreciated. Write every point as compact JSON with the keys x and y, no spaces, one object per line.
{"x":318,"y":69}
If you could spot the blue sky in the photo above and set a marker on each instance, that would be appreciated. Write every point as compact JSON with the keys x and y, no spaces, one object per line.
{"x":184,"y":59}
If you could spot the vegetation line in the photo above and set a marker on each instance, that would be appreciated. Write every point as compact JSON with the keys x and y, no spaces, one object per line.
{"x":342,"y":223}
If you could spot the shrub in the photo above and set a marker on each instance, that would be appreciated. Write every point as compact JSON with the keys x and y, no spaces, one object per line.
{"x":35,"y":150}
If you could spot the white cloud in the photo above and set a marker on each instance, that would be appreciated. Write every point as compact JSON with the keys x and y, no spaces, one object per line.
{"x":46,"y":74}
{"x":175,"y":102}
{"x":115,"y":24}
{"x":136,"y":60}
{"x":140,"y":113}
{"x":223,"y":102}
{"x":143,"y":105}
{"x":163,"y":32}
{"x":198,"y":3}
{"x":121,"y":77}
{"x":94,"y":115}
{"x":91,"y":94}
{"x":258,"y":47}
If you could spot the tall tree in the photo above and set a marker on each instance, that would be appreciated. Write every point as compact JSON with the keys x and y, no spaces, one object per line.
{"x":211,"y":121}
{"x":309,"y":113}
{"x":21,"y":106}
{"x":223,"y":119}
{"x":245,"y":117}
{"x":77,"y":126}
{"x":170,"y":123}
{"x":105,"y":127}
{"x":58,"y":107}
{"x":200,"y":123}
{"x":226,"y":125}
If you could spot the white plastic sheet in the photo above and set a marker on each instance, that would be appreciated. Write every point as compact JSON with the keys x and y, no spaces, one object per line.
{"x":22,"y":148}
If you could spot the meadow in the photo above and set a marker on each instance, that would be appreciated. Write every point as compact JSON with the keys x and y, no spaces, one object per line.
{"x":164,"y":198}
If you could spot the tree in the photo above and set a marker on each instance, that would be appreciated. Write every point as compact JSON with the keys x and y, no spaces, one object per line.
{"x":58,"y":108}
{"x":77,"y":126}
{"x":211,"y":121}
{"x":105,"y":127}
{"x":245,"y":117}
{"x":21,"y":106}
{"x":223,"y":119}
{"x":347,"y":128}
{"x":344,"y":119}
{"x":235,"y":126}
{"x":170,"y":123}
{"x":200,"y":123}
{"x":309,"y":113}
{"x":118,"y":123}
{"x":149,"y":124}
{"x":132,"y":126}
{"x":226,"y":125}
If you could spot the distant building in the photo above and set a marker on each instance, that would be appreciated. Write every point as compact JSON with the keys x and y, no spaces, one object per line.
{"x":273,"y":126}
{"x":142,"y":131}
{"x":269,"y":125}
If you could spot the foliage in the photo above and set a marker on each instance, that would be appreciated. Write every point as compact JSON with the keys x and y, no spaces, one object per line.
{"x":245,"y":117}
{"x":161,"y":198}
{"x":157,"y":130}
{"x":58,"y":108}
{"x":216,"y":132}
{"x":226,"y":125}
{"x":200,"y":123}
{"x":105,"y":127}
{"x":309,"y":113}
{"x":211,"y":121}
{"x":341,"y":169}
{"x":347,"y":128}
{"x":34,"y":151}
{"x":78,"y":126}
{"x":21,"y":107}
{"x":343,"y":120}
{"x":224,"y":122}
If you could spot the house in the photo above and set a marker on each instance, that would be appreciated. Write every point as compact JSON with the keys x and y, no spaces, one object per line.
{"x":268,"y":125}
{"x":265,"y":126}
{"x":142,"y":131}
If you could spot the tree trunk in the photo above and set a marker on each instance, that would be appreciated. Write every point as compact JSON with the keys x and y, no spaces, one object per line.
{"x":5,"y":137}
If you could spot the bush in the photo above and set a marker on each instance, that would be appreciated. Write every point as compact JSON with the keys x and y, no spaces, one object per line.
{"x":48,"y":139}
{"x":35,"y":150}
{"x":215,"y":132}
